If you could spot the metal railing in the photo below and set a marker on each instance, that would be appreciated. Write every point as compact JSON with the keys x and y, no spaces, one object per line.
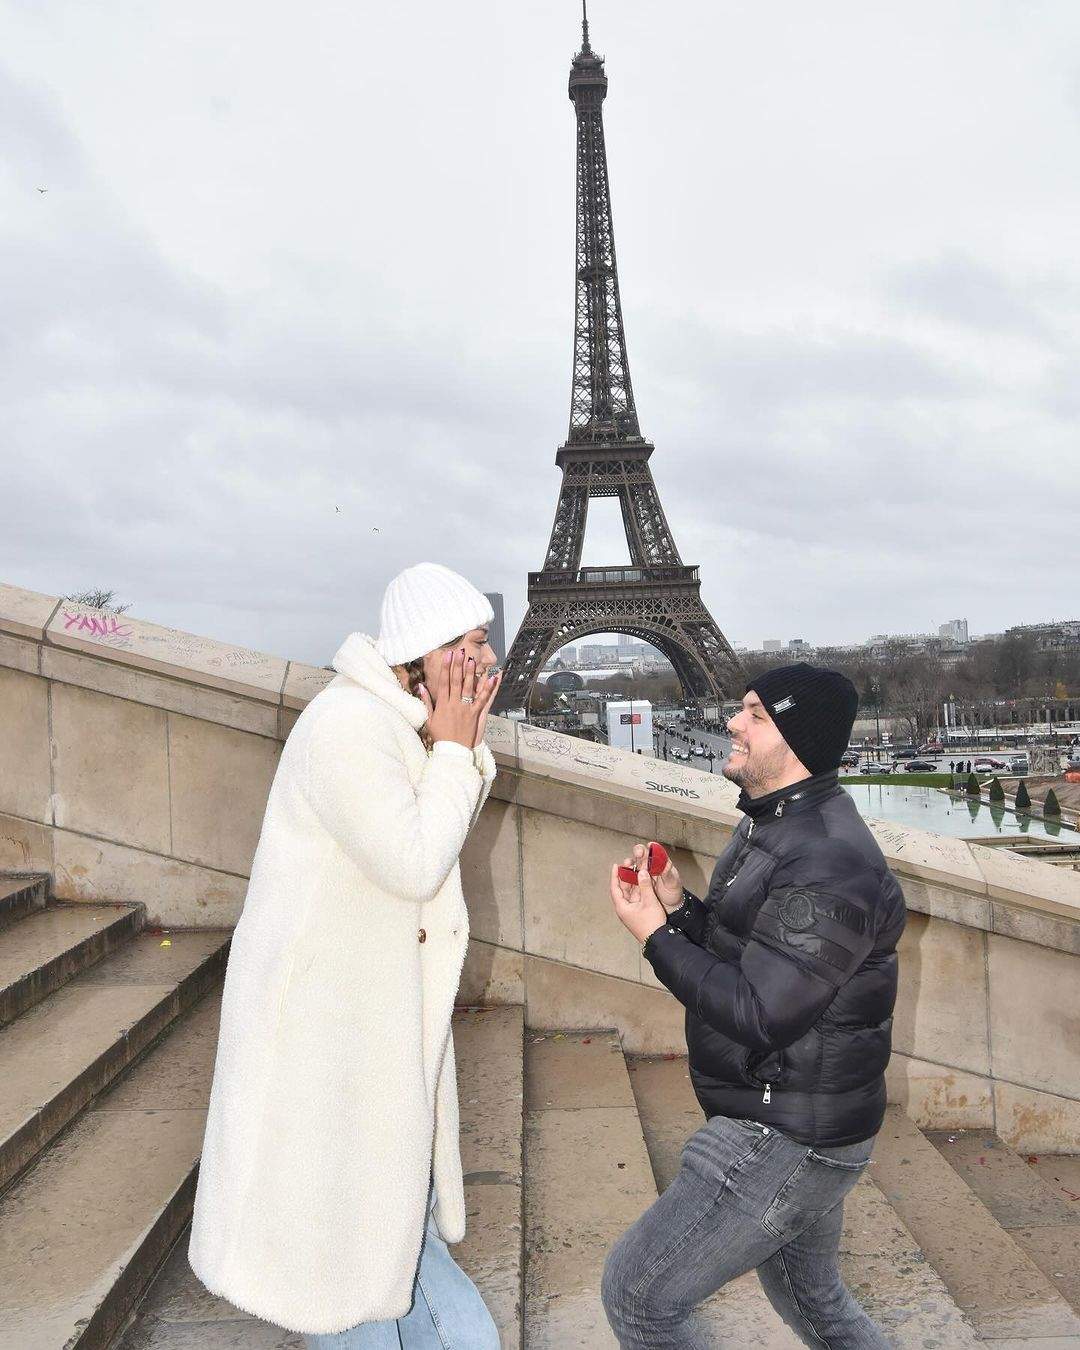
{"x":614,"y":576}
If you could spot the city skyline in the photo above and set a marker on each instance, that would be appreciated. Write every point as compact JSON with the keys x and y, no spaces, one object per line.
{"x":954,"y":631}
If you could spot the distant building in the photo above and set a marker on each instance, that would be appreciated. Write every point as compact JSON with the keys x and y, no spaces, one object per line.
{"x":597,"y":654}
{"x":772,"y":645}
{"x":497,"y":627}
{"x":1062,"y":635}
{"x":600,"y":672}
{"x":562,"y":681}
{"x":887,"y":645}
{"x":564,"y":657}
{"x":955,"y":630}
{"x":798,"y":645}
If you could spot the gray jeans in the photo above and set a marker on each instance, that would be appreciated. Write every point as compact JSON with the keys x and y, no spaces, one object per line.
{"x":745,"y":1198}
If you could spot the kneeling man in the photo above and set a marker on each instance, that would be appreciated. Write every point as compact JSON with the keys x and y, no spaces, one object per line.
{"x":787,"y":970}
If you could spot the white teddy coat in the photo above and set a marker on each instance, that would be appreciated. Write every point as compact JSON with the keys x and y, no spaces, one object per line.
{"x":334,"y":1098}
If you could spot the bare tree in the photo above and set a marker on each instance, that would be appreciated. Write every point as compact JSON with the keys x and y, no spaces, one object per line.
{"x":98,"y":599}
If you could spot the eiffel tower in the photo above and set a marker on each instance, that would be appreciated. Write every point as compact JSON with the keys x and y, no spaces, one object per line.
{"x":657,"y":598}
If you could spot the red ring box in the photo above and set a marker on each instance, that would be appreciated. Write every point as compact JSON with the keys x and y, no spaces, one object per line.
{"x":658,"y":860}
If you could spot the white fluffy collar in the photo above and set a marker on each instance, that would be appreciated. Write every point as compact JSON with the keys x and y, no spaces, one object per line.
{"x":358,"y":659}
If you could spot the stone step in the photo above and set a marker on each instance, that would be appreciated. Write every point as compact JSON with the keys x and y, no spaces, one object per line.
{"x":48,"y":947}
{"x":881,"y":1262}
{"x":740,"y":1314}
{"x":993,"y":1280}
{"x":1061,"y":1172}
{"x":489,"y":1048}
{"x":102,"y":1205}
{"x":21,"y":895}
{"x":587,"y":1178}
{"x":61,"y":1053}
{"x":1041,"y":1219}
{"x":179,"y":1314}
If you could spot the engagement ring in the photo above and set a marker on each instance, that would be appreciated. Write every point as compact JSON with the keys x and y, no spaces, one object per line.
{"x":467,"y":698}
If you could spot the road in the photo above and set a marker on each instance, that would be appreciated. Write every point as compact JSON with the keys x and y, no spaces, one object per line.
{"x":720,"y":745}
{"x":941,"y":762}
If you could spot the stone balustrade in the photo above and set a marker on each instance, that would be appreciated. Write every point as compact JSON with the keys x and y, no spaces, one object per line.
{"x":135,"y":762}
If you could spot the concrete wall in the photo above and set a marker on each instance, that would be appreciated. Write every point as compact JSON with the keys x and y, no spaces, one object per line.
{"x":135,"y":763}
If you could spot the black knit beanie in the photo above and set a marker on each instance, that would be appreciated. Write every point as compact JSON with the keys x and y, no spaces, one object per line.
{"x":814,"y":709}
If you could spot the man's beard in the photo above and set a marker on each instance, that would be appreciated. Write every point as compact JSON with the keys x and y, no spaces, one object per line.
{"x":756,"y":771}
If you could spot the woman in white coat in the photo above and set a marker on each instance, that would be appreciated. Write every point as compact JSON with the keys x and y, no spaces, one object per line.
{"x":331,"y":1173}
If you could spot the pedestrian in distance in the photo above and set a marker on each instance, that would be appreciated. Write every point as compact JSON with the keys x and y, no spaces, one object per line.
{"x":331,"y":1174}
{"x":788,"y":973}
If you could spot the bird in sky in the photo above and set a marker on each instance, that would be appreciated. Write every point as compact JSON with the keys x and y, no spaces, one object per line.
{"x":43,"y":189}
{"x":338,"y":510}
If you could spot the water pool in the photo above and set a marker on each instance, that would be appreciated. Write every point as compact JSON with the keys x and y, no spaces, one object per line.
{"x":929,"y":809}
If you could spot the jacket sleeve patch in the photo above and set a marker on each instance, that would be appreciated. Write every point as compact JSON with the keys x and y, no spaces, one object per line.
{"x":796,"y":911}
{"x":826,"y":933}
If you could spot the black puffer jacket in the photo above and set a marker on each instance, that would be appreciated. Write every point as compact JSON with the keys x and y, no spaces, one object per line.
{"x":788,"y":968}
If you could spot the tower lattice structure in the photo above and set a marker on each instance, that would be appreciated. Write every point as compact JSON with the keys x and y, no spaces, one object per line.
{"x":657,"y":597}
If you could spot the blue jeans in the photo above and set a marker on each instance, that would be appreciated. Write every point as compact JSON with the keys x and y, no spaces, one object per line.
{"x":447,"y":1312}
{"x":745,"y":1198}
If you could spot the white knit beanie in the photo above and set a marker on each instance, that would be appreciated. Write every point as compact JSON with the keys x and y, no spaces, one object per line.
{"x":425,"y":607}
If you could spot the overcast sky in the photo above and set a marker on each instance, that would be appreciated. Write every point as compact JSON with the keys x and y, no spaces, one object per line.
{"x":300,"y":258}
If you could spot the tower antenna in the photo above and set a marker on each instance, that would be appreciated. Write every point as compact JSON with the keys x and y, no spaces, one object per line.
{"x":585,"y":26}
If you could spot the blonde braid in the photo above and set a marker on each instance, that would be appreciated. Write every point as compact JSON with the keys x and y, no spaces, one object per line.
{"x":415,"y":671}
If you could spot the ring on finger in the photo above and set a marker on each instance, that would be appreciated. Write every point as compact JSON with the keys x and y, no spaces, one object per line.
{"x":467,"y":698}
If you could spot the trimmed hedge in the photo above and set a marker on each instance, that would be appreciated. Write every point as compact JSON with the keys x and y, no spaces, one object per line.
{"x":1051,"y":807}
{"x":1023,"y":798}
{"x":997,"y":792}
{"x":972,"y":788}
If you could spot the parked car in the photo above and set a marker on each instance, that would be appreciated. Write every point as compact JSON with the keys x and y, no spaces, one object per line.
{"x":850,"y":760}
{"x":1019,"y":764}
{"x":987,"y":765}
{"x":699,"y":750}
{"x":920,"y":766}
{"x":878,"y":766}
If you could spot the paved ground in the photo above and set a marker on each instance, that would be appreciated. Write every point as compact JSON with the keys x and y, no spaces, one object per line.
{"x":720,"y":745}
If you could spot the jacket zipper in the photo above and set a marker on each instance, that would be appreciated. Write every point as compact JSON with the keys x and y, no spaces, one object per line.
{"x":766,"y":1096}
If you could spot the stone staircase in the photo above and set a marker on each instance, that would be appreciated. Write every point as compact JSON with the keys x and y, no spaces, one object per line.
{"x":107,"y":1032}
{"x":107,"y":1042}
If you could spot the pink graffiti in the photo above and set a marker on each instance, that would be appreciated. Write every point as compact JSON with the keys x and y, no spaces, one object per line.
{"x":97,"y":625}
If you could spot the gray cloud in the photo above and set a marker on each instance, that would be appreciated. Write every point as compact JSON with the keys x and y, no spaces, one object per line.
{"x":959,"y":289}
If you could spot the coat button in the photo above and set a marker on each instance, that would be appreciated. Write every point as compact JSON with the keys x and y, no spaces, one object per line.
{"x":422,"y":935}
